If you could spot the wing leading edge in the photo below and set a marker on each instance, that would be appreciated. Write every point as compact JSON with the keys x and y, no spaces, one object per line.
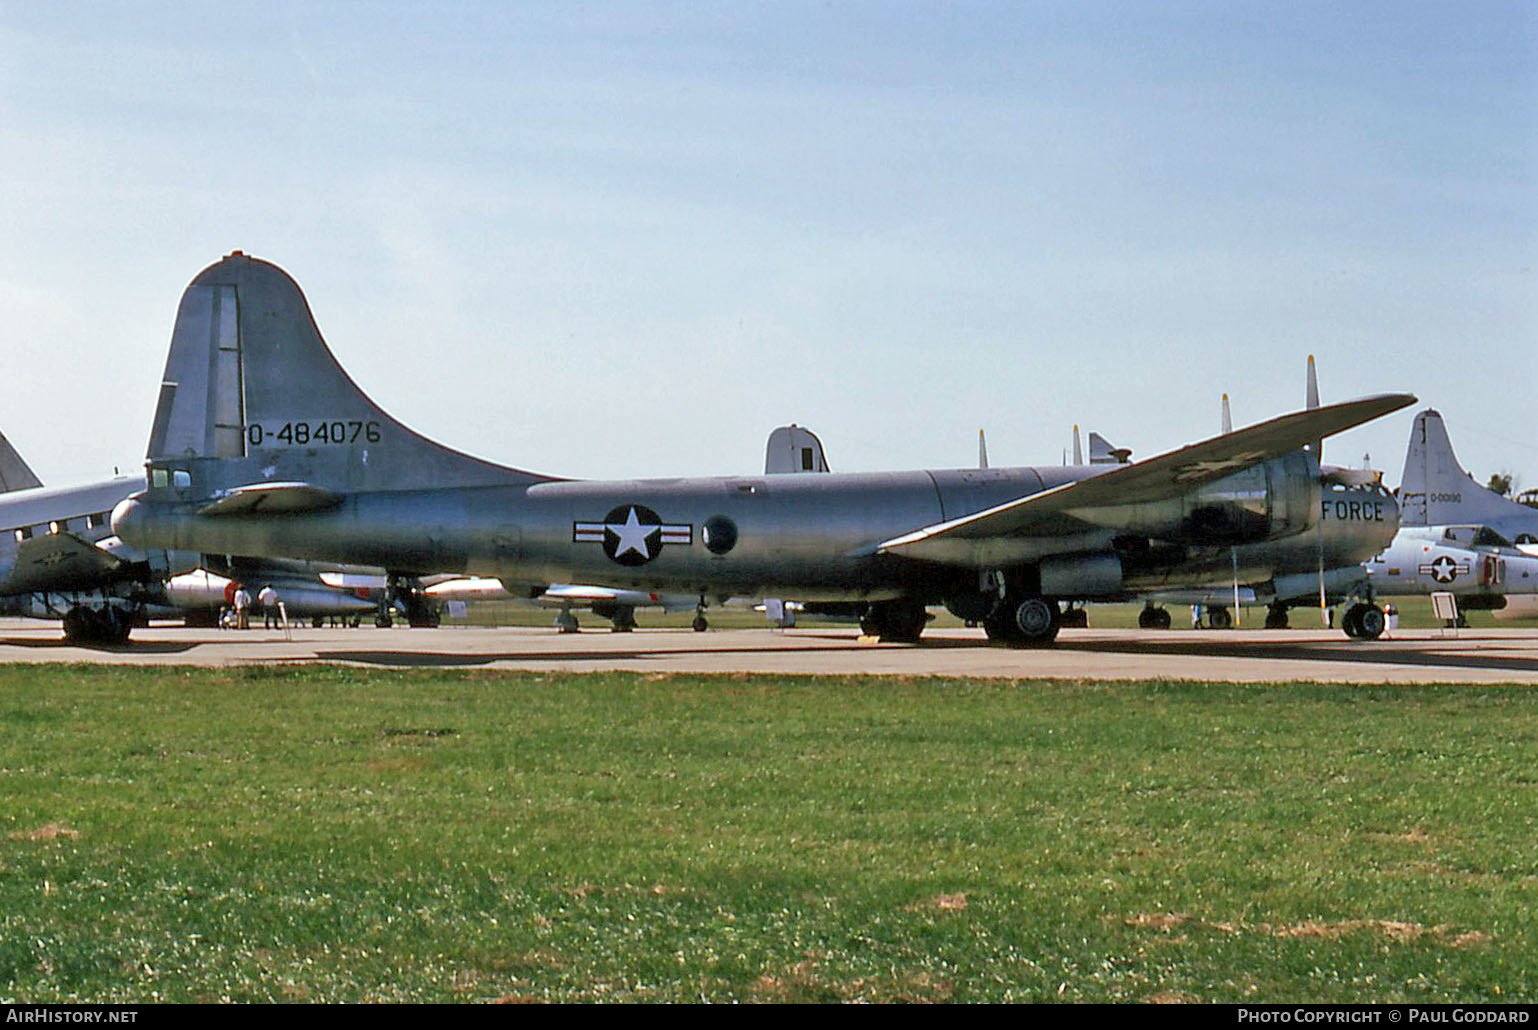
{"x":1159,"y":478}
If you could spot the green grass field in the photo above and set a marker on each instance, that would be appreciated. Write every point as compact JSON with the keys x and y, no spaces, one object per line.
{"x":326,"y":834}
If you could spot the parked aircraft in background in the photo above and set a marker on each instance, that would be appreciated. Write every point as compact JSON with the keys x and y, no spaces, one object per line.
{"x":67,"y":565}
{"x":612,"y":603}
{"x":59,"y":558}
{"x":262,"y":444}
{"x":1474,"y":563}
{"x":1481,"y":542}
{"x":301,"y":587}
{"x":1436,"y":491}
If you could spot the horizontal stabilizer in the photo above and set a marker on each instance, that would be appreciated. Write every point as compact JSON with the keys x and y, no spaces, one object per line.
{"x":59,"y":562}
{"x":1159,"y":478}
{"x":273,"y":499}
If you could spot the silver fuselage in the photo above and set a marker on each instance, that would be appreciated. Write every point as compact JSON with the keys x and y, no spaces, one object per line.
{"x":811,"y":537}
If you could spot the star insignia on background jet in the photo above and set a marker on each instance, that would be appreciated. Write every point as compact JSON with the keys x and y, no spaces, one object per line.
{"x":1444,"y":569}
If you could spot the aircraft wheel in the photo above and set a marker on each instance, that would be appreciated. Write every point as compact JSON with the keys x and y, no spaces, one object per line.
{"x":1162,"y":618}
{"x":623,"y":619}
{"x":76,"y":624}
{"x":383,"y":621}
{"x":1037,"y":621}
{"x":700,"y":625}
{"x":1219,"y":618}
{"x":566,"y":622}
{"x":1371,"y":623}
{"x":895,"y":622}
{"x":1276,"y":617}
{"x":116,"y":625}
{"x":1148,"y":618}
{"x":1364,"y":622}
{"x":1075,"y":618}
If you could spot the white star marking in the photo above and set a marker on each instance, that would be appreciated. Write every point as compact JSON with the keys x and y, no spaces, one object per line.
{"x":632,"y":537}
{"x":1198,"y":469}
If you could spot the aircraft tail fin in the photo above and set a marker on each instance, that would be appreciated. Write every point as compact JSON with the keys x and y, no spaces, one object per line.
{"x":15,"y":474}
{"x":794,"y":448}
{"x":1102,"y":452}
{"x":252,"y":393}
{"x":1436,"y":491}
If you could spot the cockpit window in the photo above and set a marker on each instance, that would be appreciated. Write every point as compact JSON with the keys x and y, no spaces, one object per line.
{"x":1487,"y":537}
{"x":1475,"y":536}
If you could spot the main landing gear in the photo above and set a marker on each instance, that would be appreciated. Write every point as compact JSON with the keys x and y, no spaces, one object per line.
{"x":1364,"y":621}
{"x":1027,"y":622}
{"x":105,"y":625}
{"x":422,"y":611}
{"x":1153,"y":618}
{"x":895,"y":622}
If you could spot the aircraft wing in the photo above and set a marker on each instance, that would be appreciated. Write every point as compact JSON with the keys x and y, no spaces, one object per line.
{"x":60,"y":561}
{"x":1159,"y":478}
{"x":272,"y":498}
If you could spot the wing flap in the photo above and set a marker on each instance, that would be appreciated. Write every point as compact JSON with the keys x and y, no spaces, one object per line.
{"x":1159,"y":478}
{"x":272,"y":499}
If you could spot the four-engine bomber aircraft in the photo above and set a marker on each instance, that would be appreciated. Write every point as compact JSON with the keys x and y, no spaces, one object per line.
{"x":262,"y":445}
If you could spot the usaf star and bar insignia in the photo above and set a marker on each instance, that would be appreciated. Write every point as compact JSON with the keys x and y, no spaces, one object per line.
{"x":1444,"y":569}
{"x":632,"y":534}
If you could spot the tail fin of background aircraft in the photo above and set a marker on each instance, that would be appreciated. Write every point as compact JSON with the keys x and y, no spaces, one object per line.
{"x":250,"y":381}
{"x":14,"y":473}
{"x":1102,"y":452}
{"x":1436,"y":491}
{"x":794,"y":449}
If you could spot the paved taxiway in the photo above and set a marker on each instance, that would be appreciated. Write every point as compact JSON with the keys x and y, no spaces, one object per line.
{"x":1244,"y":656}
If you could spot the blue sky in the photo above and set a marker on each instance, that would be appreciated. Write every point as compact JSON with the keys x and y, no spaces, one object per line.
{"x":617,"y":240}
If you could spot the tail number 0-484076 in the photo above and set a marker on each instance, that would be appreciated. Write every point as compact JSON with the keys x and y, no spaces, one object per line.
{"x":312,"y":433}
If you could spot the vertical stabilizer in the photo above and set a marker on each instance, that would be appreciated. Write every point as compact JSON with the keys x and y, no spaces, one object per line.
{"x":252,"y":393}
{"x":1102,"y":452}
{"x":794,"y":449}
{"x":14,"y":472}
{"x":1436,"y":491}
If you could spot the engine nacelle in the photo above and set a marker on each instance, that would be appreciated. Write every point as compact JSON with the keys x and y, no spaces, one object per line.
{"x":1266,"y":501}
{"x":1274,"y":499}
{"x":1082,"y":577}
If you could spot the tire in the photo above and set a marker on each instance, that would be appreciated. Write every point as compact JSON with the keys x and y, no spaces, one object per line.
{"x":1371,"y":623}
{"x":1036,"y":622}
